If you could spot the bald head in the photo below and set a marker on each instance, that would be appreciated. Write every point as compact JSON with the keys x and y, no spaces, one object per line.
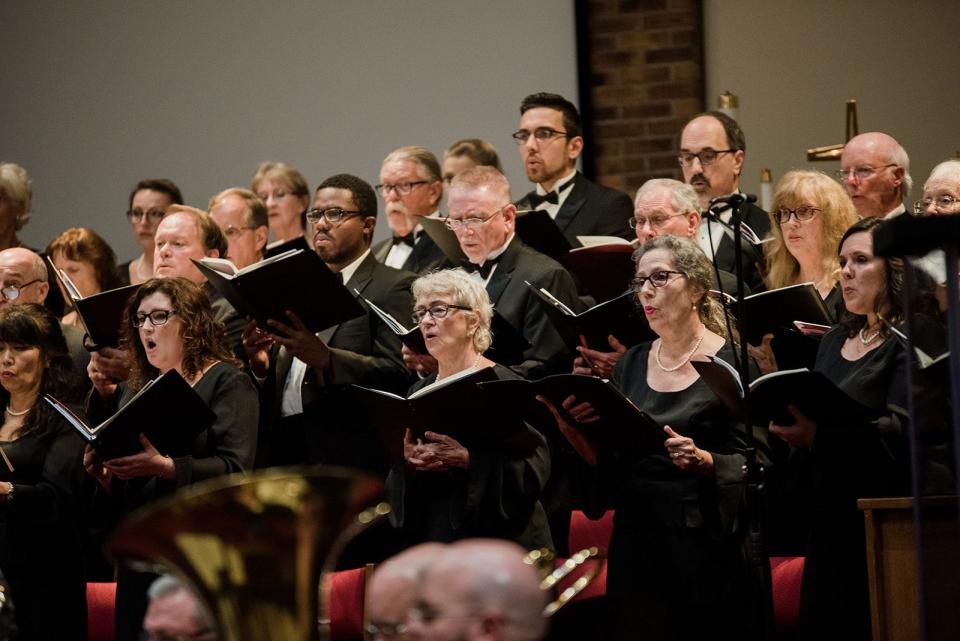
{"x":25,"y":270}
{"x":393,"y":588}
{"x":481,"y":589}
{"x":878,"y":192}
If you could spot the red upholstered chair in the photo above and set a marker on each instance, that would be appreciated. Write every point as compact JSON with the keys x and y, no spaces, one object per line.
{"x":101,"y":598}
{"x":347,"y":589}
{"x":786,"y":574}
{"x":585,"y":533}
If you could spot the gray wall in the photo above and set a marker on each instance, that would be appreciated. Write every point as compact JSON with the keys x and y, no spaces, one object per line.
{"x":97,"y":95}
{"x":794,"y":64}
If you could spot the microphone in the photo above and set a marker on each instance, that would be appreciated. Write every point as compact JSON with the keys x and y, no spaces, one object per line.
{"x":733,"y":200}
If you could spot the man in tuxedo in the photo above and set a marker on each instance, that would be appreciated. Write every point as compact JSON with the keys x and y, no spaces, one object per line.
{"x":662,"y":207}
{"x":242,"y":218}
{"x":875,"y":171}
{"x":550,"y":138}
{"x":310,"y":415}
{"x":483,"y":218}
{"x":411,"y":186}
{"x":712,"y":152}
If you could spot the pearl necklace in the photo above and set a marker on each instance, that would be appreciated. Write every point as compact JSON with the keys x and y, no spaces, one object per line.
{"x":864,"y":339}
{"x":12,"y":413}
{"x":684,"y":361}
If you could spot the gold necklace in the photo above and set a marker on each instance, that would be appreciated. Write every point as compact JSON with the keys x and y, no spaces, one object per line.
{"x":684,"y":361}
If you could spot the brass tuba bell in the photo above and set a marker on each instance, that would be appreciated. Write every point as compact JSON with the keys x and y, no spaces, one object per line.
{"x":253,"y":546}
{"x":543,"y":560}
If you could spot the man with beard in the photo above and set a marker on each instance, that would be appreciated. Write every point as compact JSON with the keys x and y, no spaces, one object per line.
{"x":305,"y":377}
{"x":550,"y":139}
{"x":411,"y":186}
{"x":712,"y":152}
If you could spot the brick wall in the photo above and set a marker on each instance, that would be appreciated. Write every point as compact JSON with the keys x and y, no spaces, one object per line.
{"x":645,"y":80}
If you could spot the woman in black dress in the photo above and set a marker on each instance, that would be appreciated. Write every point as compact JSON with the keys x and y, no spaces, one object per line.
{"x":171,"y":326}
{"x":845,"y":462}
{"x":676,"y":567}
{"x":446,"y":491}
{"x":40,"y":551}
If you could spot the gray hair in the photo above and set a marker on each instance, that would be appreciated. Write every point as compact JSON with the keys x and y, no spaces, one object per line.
{"x":420,"y":156}
{"x":166,"y":585}
{"x":898,"y":156}
{"x":947,"y":170}
{"x":15,"y":185}
{"x":683,"y":197}
{"x":466,"y":291}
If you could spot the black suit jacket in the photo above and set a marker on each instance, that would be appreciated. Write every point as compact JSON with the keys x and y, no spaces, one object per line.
{"x":591,"y":210}
{"x":364,"y":351}
{"x":425,"y":257}
{"x":548,"y":353}
{"x":759,"y":222}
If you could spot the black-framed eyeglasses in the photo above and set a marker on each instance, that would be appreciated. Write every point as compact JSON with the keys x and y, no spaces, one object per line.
{"x":802,"y":214}
{"x":232,"y":232}
{"x":157,"y":317}
{"x":154,"y":214}
{"x":541,"y":134}
{"x":945,"y":203}
{"x":12,"y":292}
{"x":706,"y":156}
{"x":437,"y":311}
{"x":860,"y":173}
{"x":333,"y":215}
{"x":202,"y":635}
{"x":656,"y":222}
{"x":386,"y":630}
{"x":472,"y":222}
{"x":657,"y":279}
{"x":402,"y":189}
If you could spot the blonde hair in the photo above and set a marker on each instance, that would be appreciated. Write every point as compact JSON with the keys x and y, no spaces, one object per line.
{"x":280,"y":172}
{"x":16,"y":186}
{"x":837,"y":214}
{"x":464,"y":290}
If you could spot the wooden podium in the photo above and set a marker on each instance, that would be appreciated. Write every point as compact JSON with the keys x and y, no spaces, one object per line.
{"x":892,"y":567}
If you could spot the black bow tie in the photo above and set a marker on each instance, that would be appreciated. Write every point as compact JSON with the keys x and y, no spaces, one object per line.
{"x":484,"y":270}
{"x":409,"y":239}
{"x":552,"y":197}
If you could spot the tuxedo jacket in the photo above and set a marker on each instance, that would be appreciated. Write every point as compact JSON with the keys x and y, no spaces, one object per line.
{"x":425,"y":257}
{"x":364,"y":351}
{"x":759,"y":221}
{"x":591,"y":210}
{"x":548,"y":354}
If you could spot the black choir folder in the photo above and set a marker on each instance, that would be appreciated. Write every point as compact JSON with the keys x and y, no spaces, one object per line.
{"x":296,"y":280}
{"x":102,"y":313}
{"x":454,"y":406}
{"x":507,"y":348}
{"x":778,"y":308}
{"x":809,"y":391}
{"x":622,"y":425}
{"x":166,"y":410}
{"x":618,"y":316}
{"x":278,"y":247}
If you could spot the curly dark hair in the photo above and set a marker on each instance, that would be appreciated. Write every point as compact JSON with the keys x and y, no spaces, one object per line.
{"x":202,"y":334}
{"x":32,"y":325}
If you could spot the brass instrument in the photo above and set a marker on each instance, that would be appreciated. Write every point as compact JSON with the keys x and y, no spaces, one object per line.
{"x":253,"y":547}
{"x":833,"y":152}
{"x":544,"y":558}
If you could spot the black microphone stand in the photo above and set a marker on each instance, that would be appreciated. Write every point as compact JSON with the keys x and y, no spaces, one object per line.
{"x":762,"y":602}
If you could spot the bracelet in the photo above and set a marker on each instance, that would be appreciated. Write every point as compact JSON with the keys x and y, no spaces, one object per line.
{"x":9,"y":495}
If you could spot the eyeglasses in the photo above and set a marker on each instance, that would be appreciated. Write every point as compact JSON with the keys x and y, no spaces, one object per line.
{"x":437,"y":311}
{"x":154,"y":214}
{"x":202,"y":635}
{"x":401,"y":189}
{"x":940,"y":204}
{"x":521,"y":136}
{"x":277,"y":195}
{"x":657,"y":279}
{"x":333,"y":215}
{"x":656,"y":222}
{"x":472,"y":223}
{"x":386,"y":630}
{"x":12,"y":292}
{"x":802,"y":214}
{"x":157,"y":317}
{"x":232,"y":232}
{"x":706,"y":157}
{"x":859,"y":173}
